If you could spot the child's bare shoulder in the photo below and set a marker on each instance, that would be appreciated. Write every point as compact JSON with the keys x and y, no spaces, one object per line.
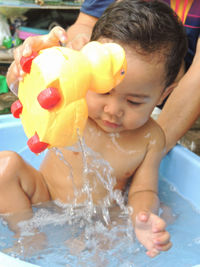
{"x":155,"y":127}
{"x":157,"y":137}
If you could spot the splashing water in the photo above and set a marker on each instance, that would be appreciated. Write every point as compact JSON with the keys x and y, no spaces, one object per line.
{"x":94,"y":165}
{"x":58,"y":236}
{"x":61,"y":235}
{"x":93,"y":223}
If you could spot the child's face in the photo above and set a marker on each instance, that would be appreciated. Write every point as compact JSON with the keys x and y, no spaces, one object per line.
{"x":129,"y":105}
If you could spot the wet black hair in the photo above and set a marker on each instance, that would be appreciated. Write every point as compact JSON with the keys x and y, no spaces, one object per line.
{"x":148,"y":25}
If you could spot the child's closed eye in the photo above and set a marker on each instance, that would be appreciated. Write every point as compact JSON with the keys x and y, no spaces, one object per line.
{"x":108,"y":93}
{"x":134,"y":102}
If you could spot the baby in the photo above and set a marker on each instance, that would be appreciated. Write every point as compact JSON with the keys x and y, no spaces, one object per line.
{"x":155,"y":45}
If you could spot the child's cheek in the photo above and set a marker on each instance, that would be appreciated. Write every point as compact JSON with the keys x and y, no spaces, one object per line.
{"x":135,"y":122}
{"x":92,"y":110}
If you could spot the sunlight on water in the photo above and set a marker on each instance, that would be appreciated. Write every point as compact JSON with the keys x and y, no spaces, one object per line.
{"x":89,"y":235}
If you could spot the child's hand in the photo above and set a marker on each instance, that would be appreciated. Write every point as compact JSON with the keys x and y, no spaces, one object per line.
{"x":55,"y":37}
{"x":151,"y":233}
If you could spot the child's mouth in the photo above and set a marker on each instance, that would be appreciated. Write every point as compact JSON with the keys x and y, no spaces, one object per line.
{"x":111,"y":124}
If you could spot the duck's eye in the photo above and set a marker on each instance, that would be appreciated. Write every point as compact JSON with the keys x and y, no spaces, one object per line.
{"x":122,"y":72}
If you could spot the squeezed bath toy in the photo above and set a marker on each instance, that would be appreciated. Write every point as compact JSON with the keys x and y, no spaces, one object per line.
{"x":52,"y":103}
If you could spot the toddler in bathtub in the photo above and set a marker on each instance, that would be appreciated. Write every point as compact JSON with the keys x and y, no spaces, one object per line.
{"x":155,"y":45}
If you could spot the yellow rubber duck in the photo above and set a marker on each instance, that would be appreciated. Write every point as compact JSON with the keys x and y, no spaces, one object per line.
{"x":52,"y":103}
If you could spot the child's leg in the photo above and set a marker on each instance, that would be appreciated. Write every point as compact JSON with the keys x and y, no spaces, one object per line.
{"x":20,"y":184}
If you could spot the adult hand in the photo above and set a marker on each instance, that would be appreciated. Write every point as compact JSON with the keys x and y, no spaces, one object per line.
{"x":80,"y":32}
{"x":34,"y":44}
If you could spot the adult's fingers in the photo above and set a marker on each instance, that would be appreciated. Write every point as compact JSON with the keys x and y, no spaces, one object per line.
{"x":12,"y":77}
{"x":37,"y":43}
{"x":56,"y":36}
{"x":78,"y":42}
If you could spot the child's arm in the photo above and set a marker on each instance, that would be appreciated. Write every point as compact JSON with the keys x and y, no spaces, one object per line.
{"x":143,"y":198}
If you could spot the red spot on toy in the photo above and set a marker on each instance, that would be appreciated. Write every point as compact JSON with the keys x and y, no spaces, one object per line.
{"x":16,"y":108}
{"x":49,"y":98}
{"x":35,"y":145}
{"x":26,"y":62}
{"x":54,"y":93}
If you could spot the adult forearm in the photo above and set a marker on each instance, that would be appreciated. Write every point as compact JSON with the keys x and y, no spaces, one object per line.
{"x":181,"y":109}
{"x":183,"y":106}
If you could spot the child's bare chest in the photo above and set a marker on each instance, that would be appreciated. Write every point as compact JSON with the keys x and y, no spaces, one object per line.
{"x":121,"y":154}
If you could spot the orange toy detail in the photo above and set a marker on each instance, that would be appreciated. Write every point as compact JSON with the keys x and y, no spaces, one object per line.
{"x":52,"y":104}
{"x":16,"y":108}
{"x":26,"y":62}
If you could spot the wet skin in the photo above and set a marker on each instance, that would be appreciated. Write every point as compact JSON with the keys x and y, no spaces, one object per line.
{"x":120,"y":129}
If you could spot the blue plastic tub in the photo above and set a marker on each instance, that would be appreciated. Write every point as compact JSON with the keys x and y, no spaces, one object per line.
{"x":180,"y":167}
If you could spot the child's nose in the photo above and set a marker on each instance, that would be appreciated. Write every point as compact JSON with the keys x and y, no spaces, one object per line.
{"x":113,"y":108}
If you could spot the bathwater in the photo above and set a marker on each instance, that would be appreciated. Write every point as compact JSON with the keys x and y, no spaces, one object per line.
{"x":71,"y":236}
{"x":59,"y":235}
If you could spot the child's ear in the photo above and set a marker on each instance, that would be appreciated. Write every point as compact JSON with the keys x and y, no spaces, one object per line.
{"x":166,"y":92}
{"x":171,"y":87}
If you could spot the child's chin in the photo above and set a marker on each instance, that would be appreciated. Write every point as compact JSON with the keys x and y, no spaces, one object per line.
{"x":111,"y":130}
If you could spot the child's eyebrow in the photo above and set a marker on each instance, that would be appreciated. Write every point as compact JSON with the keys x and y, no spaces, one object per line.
{"x":142,"y":96}
{"x":139,"y":95}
